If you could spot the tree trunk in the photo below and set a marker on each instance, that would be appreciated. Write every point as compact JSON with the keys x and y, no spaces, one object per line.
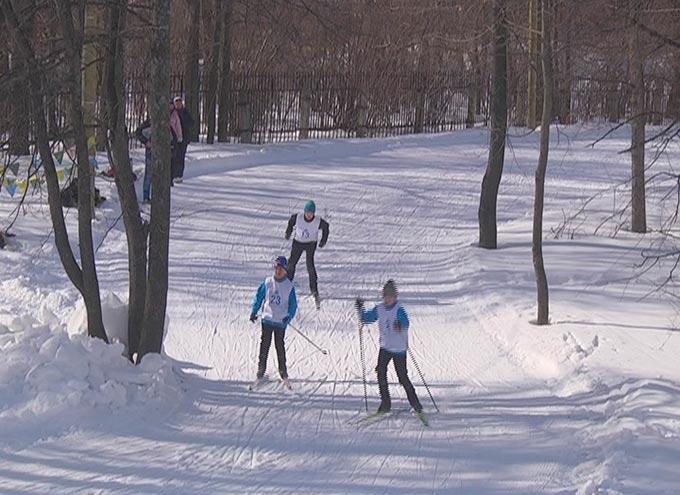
{"x":499,"y":122}
{"x":211,"y":80}
{"x":125,"y":182}
{"x":73,"y":62}
{"x":159,"y":232}
{"x":191,"y":70}
{"x":539,"y":194}
{"x":19,"y":103}
{"x":532,"y":76}
{"x":37,"y":85}
{"x":225,"y":76}
{"x":637,"y":144}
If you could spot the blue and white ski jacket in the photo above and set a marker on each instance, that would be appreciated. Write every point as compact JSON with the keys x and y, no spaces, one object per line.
{"x":279,"y":301}
{"x":392,"y":339}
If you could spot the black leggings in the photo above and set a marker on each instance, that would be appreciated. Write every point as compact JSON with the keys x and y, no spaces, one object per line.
{"x":265,"y":344}
{"x":309,"y":249}
{"x":384,"y":358}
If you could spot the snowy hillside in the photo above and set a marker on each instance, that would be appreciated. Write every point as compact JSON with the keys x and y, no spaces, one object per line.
{"x":589,"y":404}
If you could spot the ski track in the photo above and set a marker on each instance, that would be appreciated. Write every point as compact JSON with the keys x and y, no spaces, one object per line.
{"x":500,"y":429}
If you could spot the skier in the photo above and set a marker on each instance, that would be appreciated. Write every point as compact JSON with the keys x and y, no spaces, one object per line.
{"x":306,"y":226}
{"x":280,"y":305}
{"x":393,"y":323}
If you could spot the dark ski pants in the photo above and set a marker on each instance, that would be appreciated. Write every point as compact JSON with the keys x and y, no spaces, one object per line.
{"x":384,"y":358}
{"x":148,"y":167}
{"x":309,"y":248}
{"x":179,"y":152}
{"x":265,"y":344}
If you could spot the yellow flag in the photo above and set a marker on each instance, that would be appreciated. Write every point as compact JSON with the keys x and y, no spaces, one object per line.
{"x":60,"y":175}
{"x":22,"y":186}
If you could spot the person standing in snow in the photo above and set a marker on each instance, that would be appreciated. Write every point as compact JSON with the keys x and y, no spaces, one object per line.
{"x":143,"y":134}
{"x":393,"y":324}
{"x":186,"y":123}
{"x":306,"y":226}
{"x":280,"y":304}
{"x":177,"y":141}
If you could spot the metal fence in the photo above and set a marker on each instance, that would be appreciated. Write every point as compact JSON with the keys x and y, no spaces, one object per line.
{"x":272,"y":107}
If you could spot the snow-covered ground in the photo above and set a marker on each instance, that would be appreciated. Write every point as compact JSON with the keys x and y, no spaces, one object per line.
{"x":589,"y":404}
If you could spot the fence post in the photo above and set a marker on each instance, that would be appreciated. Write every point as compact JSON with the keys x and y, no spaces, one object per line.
{"x":420,"y":103}
{"x":471,"y":101}
{"x":305,"y":108}
{"x":244,"y":118}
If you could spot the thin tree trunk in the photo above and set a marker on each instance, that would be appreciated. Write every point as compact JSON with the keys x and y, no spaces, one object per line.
{"x":638,"y":117}
{"x":19,"y":103}
{"x":532,"y":77}
{"x":159,"y":232}
{"x":125,"y":182}
{"x":37,"y":85}
{"x":191,"y":70}
{"x":539,"y":194}
{"x":73,"y":60}
{"x":499,"y":122}
{"x":211,"y":80}
{"x":225,"y":76}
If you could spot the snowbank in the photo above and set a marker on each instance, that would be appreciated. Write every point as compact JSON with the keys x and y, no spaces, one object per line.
{"x":50,"y":375}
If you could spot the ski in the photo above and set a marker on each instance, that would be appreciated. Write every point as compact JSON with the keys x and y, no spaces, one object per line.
{"x":423,"y":419}
{"x":258,"y":383}
{"x":377,"y":416}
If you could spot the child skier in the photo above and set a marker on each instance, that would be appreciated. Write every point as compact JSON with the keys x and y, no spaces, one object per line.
{"x":280,"y":305}
{"x":393,"y":323}
{"x":307,"y":227}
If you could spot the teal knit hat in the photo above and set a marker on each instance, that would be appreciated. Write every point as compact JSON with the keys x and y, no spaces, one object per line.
{"x":310,"y":206}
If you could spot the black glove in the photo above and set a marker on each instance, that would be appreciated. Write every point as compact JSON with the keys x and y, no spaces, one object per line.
{"x":359,"y":304}
{"x":321,"y":244}
{"x":253,"y":318}
{"x":287,"y":236}
{"x":285,"y":320}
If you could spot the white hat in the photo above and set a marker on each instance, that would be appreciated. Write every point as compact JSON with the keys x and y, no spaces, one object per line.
{"x":177,"y":98}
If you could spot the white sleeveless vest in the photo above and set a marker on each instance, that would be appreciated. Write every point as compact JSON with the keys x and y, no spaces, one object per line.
{"x":391,"y":339}
{"x":276,"y":299}
{"x":306,"y":231}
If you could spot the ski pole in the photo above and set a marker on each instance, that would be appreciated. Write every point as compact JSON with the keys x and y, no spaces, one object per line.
{"x":321,"y":350}
{"x":413,"y":358}
{"x":363,"y":360}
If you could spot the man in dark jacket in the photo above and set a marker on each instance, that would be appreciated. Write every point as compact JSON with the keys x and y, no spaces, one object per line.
{"x":187,"y":123}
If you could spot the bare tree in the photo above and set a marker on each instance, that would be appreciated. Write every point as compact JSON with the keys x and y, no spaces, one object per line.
{"x":125,"y":181}
{"x":225,"y":74}
{"x":499,"y":122}
{"x":191,"y":68}
{"x":212,"y":73}
{"x":638,"y":118}
{"x":539,"y":193}
{"x":159,"y":233}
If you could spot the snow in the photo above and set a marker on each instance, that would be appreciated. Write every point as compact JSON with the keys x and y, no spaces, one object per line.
{"x":588,"y":405}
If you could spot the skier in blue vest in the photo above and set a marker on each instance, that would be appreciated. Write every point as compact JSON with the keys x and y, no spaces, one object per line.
{"x":306,"y":226}
{"x":393,"y":323}
{"x":280,"y":304}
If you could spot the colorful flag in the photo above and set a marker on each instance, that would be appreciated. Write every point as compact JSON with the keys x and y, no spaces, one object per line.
{"x":59,"y":156}
{"x":11,"y":187}
{"x":60,"y":175}
{"x":93,"y":161}
{"x":14,"y":167}
{"x":23,"y":185}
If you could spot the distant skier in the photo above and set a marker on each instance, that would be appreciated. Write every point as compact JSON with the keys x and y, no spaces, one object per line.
{"x":280,"y":304}
{"x":306,"y":226}
{"x":393,"y":323}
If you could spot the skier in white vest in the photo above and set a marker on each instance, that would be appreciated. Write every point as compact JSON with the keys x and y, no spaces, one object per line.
{"x":393,"y":323}
{"x":280,"y":304}
{"x":306,"y":226}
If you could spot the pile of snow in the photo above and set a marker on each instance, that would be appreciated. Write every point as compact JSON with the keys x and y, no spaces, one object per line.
{"x":50,"y":375}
